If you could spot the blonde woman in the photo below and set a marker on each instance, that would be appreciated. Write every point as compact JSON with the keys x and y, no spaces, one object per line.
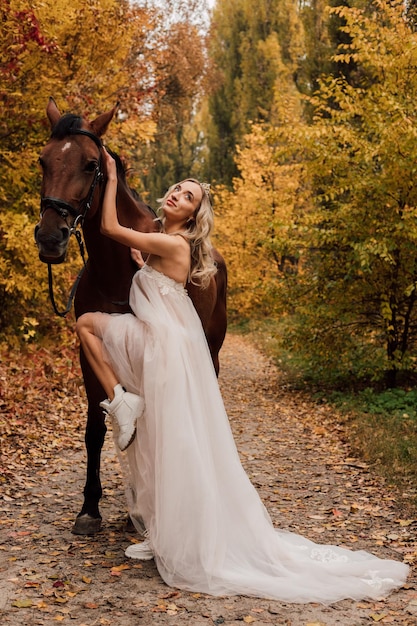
{"x":205,"y":524}
{"x":181,"y":252}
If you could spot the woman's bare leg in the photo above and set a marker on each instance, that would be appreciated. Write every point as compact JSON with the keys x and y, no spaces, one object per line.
{"x":90,"y":328}
{"x":123,"y":406}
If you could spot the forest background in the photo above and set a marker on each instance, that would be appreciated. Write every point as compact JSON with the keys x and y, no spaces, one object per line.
{"x":302,"y":115}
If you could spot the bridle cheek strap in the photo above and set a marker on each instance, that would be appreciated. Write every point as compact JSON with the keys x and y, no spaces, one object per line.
{"x":64,"y":209}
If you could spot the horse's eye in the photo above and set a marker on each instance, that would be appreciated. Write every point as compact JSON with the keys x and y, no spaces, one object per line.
{"x":91,"y":166}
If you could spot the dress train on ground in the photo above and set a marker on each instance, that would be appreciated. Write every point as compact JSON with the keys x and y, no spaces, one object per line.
{"x":207,"y":526}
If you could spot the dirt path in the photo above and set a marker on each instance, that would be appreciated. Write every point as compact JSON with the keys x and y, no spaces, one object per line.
{"x":303,"y":473}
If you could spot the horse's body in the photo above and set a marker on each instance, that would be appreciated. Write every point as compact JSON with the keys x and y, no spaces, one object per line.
{"x":72,"y":192}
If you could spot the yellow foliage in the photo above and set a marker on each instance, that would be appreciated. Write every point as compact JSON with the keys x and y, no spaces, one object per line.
{"x":88,"y":54}
{"x":358,"y":296}
{"x":254,"y":227}
{"x":21,"y":274}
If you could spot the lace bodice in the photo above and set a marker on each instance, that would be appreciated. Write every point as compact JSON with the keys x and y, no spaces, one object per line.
{"x":165,"y":284}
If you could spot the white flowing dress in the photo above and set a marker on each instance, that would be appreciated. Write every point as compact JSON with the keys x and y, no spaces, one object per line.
{"x":207,"y":526}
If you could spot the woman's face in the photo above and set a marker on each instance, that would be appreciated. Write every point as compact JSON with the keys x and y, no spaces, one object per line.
{"x":183,"y":201}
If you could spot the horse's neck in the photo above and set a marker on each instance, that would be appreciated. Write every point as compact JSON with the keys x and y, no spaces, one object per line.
{"x":132,"y":212}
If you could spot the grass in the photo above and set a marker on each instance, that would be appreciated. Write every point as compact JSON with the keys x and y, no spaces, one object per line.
{"x":380,"y":425}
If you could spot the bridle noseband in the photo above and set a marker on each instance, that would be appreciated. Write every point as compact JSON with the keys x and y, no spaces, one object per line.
{"x":63,"y":209}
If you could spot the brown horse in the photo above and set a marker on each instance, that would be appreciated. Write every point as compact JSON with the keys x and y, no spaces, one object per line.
{"x":71,"y":197}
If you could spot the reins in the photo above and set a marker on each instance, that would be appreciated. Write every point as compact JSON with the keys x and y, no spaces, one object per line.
{"x":74,"y":288}
{"x":63,"y":209}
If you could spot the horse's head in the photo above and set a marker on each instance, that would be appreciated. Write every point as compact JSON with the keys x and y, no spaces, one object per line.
{"x":71,"y":180}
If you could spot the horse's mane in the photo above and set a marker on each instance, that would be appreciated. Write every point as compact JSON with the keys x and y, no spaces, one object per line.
{"x":121,"y":175}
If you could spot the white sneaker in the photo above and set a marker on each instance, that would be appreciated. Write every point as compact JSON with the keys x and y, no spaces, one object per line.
{"x":141,"y":551}
{"x":125,"y":408}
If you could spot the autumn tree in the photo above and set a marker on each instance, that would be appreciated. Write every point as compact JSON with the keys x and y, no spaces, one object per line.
{"x":256,"y":220}
{"x":324,"y":32}
{"x":249,"y":41}
{"x":181,"y":66}
{"x":357,"y":289}
{"x":71,"y":52}
{"x":24,"y":47}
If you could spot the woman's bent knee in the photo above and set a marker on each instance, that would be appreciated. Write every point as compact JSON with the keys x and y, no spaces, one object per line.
{"x":93,"y":322}
{"x":84,"y":322}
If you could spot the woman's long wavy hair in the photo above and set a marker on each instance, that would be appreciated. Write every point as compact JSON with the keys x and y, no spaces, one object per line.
{"x":198,"y":232}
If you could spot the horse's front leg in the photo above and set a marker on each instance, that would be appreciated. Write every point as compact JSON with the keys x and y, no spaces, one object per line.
{"x":88,"y":520}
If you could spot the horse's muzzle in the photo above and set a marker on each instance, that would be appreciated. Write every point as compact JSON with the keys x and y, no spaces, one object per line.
{"x":52,"y":247}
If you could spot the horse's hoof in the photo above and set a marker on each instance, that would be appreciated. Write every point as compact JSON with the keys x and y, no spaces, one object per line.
{"x":86,"y":525}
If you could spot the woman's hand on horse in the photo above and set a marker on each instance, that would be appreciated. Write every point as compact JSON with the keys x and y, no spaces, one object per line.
{"x":110,"y":166}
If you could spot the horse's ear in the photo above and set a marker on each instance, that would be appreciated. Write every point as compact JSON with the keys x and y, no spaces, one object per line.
{"x":101,"y":123}
{"x":52,"y":112}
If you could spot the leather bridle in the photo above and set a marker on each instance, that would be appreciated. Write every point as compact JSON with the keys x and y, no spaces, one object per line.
{"x":64,"y":209}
